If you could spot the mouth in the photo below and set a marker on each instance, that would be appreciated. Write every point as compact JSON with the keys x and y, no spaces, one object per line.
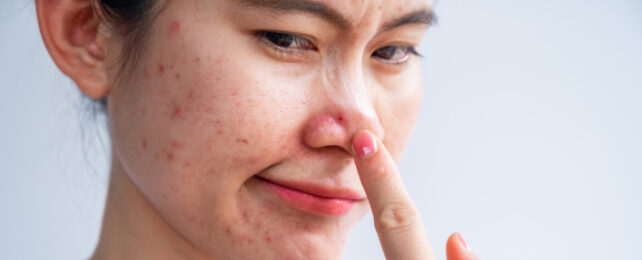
{"x":312,"y":198}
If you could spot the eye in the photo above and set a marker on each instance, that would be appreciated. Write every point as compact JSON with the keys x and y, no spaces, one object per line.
{"x":286,"y":40}
{"x":394,"y":54}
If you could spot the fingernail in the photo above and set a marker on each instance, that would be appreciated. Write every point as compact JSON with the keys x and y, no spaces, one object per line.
{"x":463,"y":242}
{"x":364,"y":144}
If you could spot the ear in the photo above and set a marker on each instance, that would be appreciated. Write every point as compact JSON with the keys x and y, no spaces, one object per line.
{"x":69,"y":29}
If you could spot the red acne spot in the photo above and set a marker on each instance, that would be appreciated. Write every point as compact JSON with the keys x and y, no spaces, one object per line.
{"x":235,"y":93}
{"x":161,"y":69}
{"x":170,"y":156}
{"x":176,"y":144}
{"x":177,"y":76}
{"x":245,"y":218}
{"x":175,"y":27}
{"x":176,"y":111}
{"x":400,"y":8}
{"x":268,"y":238}
{"x":186,"y":164}
{"x":144,"y":144}
{"x":241,"y":140}
{"x":340,"y":118}
{"x":190,"y":94}
{"x":197,"y":59}
{"x":227,"y":230}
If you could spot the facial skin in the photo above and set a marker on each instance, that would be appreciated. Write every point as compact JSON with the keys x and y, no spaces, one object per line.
{"x":216,"y":103}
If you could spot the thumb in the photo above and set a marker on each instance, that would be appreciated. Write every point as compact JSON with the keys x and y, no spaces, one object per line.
{"x":458,"y":249}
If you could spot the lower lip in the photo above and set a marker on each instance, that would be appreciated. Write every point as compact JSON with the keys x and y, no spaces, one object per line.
{"x":308,"y":202}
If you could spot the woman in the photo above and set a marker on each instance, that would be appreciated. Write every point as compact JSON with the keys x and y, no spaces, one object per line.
{"x":249,"y":129}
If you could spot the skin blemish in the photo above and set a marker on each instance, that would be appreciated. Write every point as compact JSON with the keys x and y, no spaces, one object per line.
{"x":268,"y":238}
{"x":170,"y":156}
{"x":144,"y":144}
{"x":176,"y":111}
{"x":197,"y":60}
{"x":400,"y":8}
{"x":176,"y":144}
{"x":161,"y":69}
{"x":175,"y":27}
{"x":177,"y":76}
{"x":340,"y":118}
{"x":242,"y":140}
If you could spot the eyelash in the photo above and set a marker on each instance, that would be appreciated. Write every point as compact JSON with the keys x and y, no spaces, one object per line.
{"x":307,"y":45}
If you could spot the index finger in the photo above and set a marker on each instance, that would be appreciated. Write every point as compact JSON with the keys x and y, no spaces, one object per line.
{"x":396,"y":218}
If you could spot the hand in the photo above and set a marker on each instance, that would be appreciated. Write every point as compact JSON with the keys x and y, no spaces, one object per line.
{"x":397,"y":221}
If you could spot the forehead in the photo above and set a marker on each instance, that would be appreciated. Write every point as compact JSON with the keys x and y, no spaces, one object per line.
{"x":347,"y":14}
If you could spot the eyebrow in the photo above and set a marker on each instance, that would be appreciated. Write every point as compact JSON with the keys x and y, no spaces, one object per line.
{"x":422,"y":16}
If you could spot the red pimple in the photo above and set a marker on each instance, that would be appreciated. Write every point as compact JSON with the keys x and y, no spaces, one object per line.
{"x":340,"y":118}
{"x":170,"y":156}
{"x":176,"y":144}
{"x":176,"y":111}
{"x":174,"y":27}
{"x":177,"y":76}
{"x":144,"y":144}
{"x":161,"y":69}
{"x":197,"y":59}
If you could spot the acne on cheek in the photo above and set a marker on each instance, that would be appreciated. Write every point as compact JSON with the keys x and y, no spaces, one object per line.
{"x":175,"y":27}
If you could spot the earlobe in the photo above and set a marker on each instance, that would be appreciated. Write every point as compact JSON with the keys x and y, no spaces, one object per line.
{"x":70,"y":31}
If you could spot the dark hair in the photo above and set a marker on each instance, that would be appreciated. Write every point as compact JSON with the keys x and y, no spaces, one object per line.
{"x":130,"y":21}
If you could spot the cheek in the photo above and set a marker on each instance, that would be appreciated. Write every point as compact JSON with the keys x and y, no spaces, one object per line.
{"x":398,"y":112}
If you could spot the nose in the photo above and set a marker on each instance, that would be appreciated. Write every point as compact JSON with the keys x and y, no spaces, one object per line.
{"x":345,"y":107}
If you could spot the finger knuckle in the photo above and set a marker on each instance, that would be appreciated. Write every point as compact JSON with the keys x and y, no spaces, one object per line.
{"x":397,"y":217}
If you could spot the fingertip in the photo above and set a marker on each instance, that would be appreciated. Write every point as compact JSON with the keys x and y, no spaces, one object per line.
{"x":458,"y":249}
{"x":364,"y":144}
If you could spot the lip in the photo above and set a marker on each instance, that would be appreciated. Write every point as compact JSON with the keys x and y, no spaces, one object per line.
{"x":313,"y":198}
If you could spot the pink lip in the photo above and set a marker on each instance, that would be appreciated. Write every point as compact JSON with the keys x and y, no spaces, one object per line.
{"x":313,"y":198}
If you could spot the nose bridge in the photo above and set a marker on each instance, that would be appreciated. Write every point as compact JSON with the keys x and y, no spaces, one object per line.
{"x":352,"y":98}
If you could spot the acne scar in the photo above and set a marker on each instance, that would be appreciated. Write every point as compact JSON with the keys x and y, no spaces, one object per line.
{"x":174,"y":27}
{"x":241,"y":140}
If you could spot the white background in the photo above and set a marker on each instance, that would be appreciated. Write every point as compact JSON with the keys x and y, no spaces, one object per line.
{"x":529,"y":141}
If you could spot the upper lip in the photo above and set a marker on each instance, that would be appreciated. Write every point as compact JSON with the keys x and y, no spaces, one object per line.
{"x":318,"y":190}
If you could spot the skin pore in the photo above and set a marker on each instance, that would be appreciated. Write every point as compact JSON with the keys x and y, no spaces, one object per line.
{"x":233,"y":97}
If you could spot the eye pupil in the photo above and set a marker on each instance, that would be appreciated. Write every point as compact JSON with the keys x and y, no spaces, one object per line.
{"x":280,"y":39}
{"x":386,"y":52}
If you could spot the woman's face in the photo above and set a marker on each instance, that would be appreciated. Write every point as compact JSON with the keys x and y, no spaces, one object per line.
{"x":237,"y":125}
